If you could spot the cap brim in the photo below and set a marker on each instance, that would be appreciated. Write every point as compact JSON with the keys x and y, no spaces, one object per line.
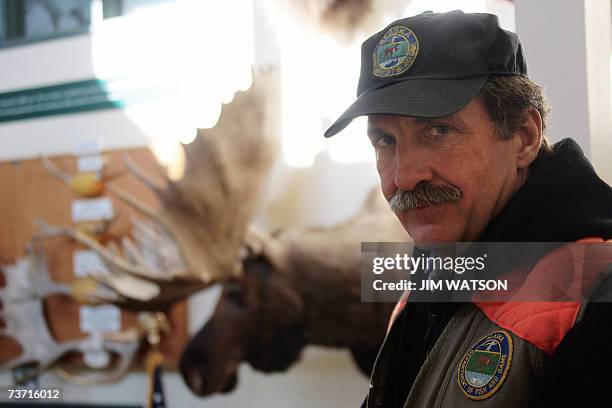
{"x":423,"y":98}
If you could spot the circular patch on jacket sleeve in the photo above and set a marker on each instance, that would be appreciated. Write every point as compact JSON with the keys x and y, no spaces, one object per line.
{"x":485,"y":365}
{"x":395,"y":53}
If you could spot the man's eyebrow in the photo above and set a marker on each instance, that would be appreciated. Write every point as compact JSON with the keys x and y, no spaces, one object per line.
{"x":428,"y":120}
{"x":374,"y":131}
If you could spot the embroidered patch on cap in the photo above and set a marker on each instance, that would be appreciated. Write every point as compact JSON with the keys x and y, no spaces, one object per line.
{"x":395,"y":52}
{"x":485,"y":366}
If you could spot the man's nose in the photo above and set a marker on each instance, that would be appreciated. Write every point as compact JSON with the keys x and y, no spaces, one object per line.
{"x":411,"y":169}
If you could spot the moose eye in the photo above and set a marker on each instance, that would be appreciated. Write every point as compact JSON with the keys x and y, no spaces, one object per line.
{"x":234,"y":293}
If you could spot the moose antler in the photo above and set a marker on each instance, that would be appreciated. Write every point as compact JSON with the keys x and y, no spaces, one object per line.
{"x":27,"y":283}
{"x":195,"y":237}
{"x":345,"y":19}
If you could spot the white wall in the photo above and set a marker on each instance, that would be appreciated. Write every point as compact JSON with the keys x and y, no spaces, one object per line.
{"x":54,"y":62}
{"x":567,"y":43}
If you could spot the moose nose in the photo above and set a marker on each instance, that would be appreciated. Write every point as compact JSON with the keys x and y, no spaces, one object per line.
{"x":231,"y":383}
{"x":196,"y":382}
{"x":193,"y":377}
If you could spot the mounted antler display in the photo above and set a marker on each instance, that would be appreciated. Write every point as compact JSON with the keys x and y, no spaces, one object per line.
{"x":195,"y":237}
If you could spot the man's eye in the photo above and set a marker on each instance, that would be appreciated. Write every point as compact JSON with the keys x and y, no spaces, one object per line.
{"x":384,"y":141}
{"x":438,"y":130}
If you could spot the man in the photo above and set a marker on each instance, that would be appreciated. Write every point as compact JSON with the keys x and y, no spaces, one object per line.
{"x":457,"y":128}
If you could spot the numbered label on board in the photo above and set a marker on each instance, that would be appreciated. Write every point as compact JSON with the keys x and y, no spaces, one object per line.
{"x":92,"y":209}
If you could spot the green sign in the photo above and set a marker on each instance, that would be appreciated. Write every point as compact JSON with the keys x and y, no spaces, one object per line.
{"x":81,"y":96}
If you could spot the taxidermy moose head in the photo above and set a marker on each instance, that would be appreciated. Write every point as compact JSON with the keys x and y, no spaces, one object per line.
{"x":310,"y":294}
{"x":280,"y":292}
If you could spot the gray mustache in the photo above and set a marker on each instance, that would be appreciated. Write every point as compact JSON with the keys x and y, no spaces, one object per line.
{"x":424,"y":195}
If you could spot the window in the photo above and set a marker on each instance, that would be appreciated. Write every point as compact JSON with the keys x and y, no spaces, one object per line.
{"x":27,"y":21}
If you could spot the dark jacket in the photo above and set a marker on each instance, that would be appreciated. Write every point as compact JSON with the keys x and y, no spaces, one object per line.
{"x":431,"y":345}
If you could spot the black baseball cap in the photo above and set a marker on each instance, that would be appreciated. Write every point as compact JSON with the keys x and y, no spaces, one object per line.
{"x":431,"y":65}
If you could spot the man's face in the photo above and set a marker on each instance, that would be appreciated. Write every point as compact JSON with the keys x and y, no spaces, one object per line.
{"x":462,"y":151}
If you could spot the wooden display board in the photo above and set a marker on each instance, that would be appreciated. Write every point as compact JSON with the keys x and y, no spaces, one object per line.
{"x":29,"y":192}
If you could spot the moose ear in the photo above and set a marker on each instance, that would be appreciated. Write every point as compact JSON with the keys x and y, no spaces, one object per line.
{"x":258,"y":242}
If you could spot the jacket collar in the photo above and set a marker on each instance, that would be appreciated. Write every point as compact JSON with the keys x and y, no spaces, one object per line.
{"x":563,"y":200}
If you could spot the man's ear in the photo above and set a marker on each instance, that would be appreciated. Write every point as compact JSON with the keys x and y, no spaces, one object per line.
{"x":530,"y":137}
